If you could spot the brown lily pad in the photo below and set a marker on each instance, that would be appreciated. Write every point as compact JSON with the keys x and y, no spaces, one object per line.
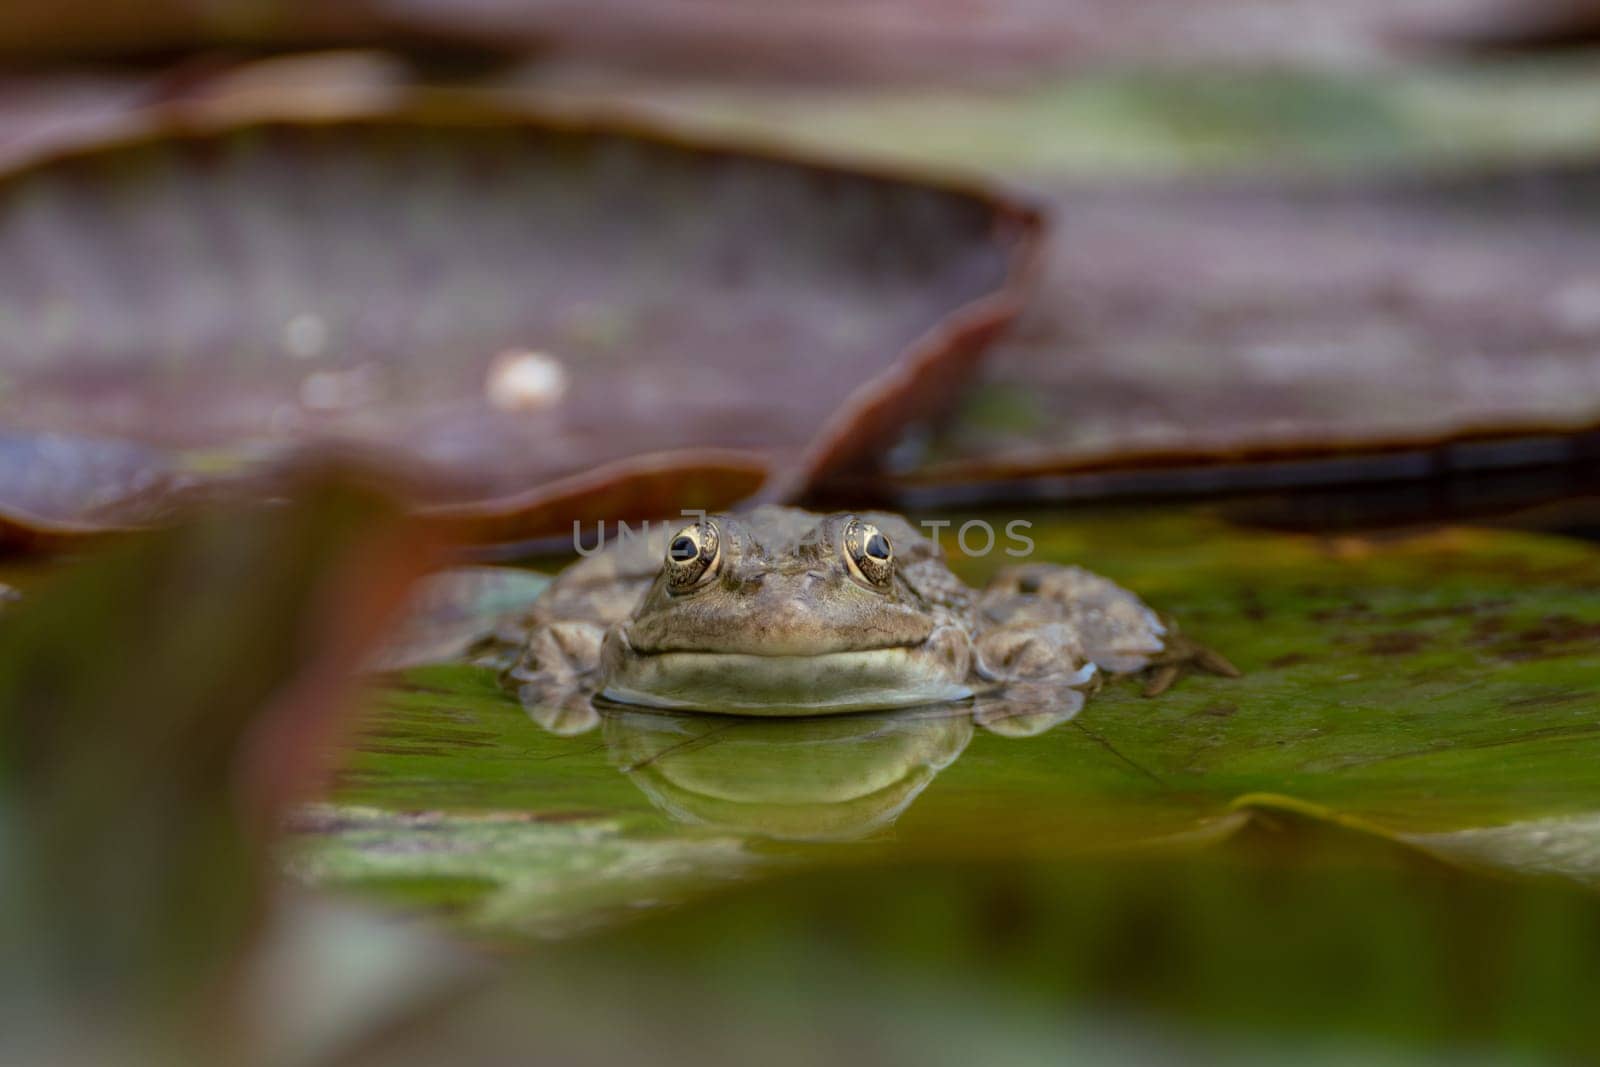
{"x":1352,"y":331}
{"x":42,"y":111}
{"x":544,"y":317}
{"x":1531,"y":25}
{"x":867,"y":38}
{"x":53,"y":109}
{"x":55,"y":488}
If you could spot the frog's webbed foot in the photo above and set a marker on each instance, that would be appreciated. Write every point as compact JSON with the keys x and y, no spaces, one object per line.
{"x":1041,"y":678}
{"x":1182,"y":656}
{"x":501,"y":647}
{"x":557,"y":674}
{"x":1032,"y":654}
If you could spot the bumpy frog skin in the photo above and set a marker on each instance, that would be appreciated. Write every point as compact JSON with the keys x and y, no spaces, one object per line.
{"x":780,"y":611}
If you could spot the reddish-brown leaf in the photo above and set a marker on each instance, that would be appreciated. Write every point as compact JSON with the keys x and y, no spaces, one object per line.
{"x":547,"y":317}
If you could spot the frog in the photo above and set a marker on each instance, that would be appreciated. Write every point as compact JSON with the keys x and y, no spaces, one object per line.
{"x":780,"y":611}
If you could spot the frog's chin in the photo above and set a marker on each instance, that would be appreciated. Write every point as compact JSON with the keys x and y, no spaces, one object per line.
{"x":736,"y":683}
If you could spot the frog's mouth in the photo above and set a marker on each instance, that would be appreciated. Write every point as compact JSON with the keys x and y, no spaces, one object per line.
{"x":741,"y":683}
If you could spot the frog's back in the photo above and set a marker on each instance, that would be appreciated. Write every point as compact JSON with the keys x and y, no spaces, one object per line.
{"x":607,"y":584}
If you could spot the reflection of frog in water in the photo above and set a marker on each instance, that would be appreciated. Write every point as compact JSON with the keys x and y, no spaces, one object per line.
{"x":825,"y":778}
{"x":820,"y":778}
{"x":780,"y":612}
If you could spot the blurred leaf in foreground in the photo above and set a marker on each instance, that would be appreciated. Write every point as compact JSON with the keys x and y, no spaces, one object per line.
{"x":158,"y":704}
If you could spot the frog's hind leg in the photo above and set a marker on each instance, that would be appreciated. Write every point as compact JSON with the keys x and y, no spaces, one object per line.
{"x":1092,"y":619}
{"x":1182,"y":655}
{"x":1089,"y":619}
{"x":556,"y":675}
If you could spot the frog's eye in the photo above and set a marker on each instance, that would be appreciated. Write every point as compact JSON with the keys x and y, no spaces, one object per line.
{"x":692,"y":556}
{"x":867,"y":551}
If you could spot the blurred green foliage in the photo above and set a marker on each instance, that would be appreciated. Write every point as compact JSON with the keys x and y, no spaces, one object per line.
{"x":159,"y":703}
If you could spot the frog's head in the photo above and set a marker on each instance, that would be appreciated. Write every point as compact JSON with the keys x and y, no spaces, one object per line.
{"x":822,"y":621}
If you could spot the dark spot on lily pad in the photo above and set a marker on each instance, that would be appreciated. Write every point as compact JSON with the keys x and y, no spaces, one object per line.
{"x":1487,"y":630}
{"x":1538,"y":701}
{"x":1396,"y":643}
{"x":1354,"y":610}
{"x":1451,"y":611}
{"x":1554,"y":635}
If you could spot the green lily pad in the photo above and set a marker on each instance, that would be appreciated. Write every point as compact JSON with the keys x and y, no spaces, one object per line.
{"x":1422,"y":683}
{"x":1293,"y":941}
{"x":1437,"y":688}
{"x":510,"y":872}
